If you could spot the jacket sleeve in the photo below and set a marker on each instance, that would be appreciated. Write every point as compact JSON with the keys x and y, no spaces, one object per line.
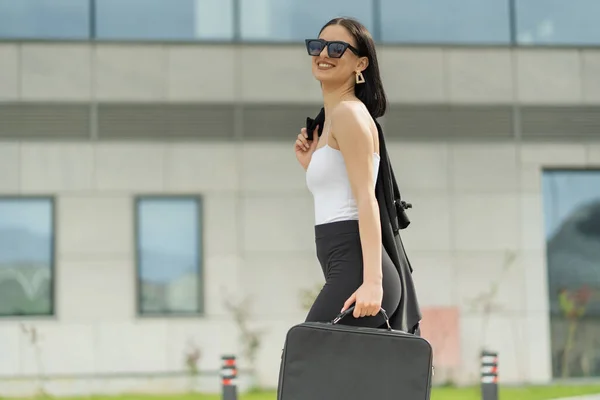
{"x":392,"y":213}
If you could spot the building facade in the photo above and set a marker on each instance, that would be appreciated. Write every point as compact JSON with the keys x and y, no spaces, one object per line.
{"x":148,"y":181}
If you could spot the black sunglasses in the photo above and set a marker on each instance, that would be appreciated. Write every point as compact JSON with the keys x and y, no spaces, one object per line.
{"x":335,"y":48}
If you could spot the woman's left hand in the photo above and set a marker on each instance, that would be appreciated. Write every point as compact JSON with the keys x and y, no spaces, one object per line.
{"x":367,"y":300}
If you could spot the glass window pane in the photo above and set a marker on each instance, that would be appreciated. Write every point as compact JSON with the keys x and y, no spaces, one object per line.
{"x":26,"y":256}
{"x":44,"y":19}
{"x":443,"y":21}
{"x":572,"y":227}
{"x":169,"y":255}
{"x":164,"y":19}
{"x":214,"y":19}
{"x":292,"y":20}
{"x":558,"y":22}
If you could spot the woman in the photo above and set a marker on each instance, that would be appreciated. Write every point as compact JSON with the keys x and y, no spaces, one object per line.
{"x":341,"y":171}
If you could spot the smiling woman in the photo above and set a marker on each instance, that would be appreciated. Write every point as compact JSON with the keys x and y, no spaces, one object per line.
{"x":341,"y":170}
{"x":367,"y":274}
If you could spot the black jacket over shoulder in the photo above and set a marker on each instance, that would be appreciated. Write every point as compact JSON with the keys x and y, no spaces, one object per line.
{"x":392,"y":213}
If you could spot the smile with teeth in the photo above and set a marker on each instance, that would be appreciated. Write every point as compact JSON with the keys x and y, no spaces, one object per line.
{"x":325,"y":65}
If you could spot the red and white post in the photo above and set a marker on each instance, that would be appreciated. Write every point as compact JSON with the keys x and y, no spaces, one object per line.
{"x":489,"y":375}
{"x":228,"y":377}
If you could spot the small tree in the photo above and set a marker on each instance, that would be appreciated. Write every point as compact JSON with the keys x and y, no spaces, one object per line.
{"x":250,"y":337}
{"x":192,"y":359}
{"x":33,"y":337}
{"x":308,"y":296}
{"x":485,"y":302}
{"x":573,"y":306}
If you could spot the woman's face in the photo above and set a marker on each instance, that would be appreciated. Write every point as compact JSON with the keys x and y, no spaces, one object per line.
{"x":327,"y":69}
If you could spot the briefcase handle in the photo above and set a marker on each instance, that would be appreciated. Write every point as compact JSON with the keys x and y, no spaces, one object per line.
{"x":349,"y":311}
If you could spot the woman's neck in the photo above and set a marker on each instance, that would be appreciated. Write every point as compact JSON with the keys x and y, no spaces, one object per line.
{"x":335,"y":95}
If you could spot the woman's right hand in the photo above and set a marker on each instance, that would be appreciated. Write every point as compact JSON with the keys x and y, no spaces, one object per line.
{"x":304,"y":148}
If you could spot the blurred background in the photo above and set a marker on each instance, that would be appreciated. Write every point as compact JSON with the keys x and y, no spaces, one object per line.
{"x":153,"y":216}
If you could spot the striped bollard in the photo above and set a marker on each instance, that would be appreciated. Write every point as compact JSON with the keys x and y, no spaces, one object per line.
{"x":228,"y":377}
{"x":489,"y":375}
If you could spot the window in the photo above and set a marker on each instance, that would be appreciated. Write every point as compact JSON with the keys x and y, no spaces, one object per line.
{"x":214,"y":19}
{"x":26,"y":256}
{"x":169,"y":239}
{"x":292,"y":20}
{"x":443,"y":21}
{"x":46,"y":19}
{"x":572,"y":225}
{"x":558,"y":22}
{"x":164,"y":19}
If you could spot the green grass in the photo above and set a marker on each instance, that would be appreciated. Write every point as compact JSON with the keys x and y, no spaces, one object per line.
{"x":442,"y":393}
{"x":525,"y":393}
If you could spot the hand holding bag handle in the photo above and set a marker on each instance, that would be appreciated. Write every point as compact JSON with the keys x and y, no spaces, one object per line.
{"x":351,"y":309}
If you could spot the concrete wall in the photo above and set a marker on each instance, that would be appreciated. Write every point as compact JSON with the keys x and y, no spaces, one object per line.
{"x":254,"y":73}
{"x":474,"y":202}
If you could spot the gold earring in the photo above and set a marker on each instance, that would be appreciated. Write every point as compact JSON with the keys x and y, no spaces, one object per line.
{"x":359,"y":77}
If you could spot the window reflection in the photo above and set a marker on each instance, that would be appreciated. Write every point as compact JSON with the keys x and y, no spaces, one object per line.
{"x":442,"y":21}
{"x":26,"y":256}
{"x":214,"y":19}
{"x":558,"y":22}
{"x":164,"y":19}
{"x":572,"y":223}
{"x":144,"y":19}
{"x":398,"y":21}
{"x":168,"y":253}
{"x":292,"y":20}
{"x":44,"y":19}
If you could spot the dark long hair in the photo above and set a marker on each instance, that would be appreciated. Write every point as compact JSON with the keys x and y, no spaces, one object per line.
{"x":370,"y":92}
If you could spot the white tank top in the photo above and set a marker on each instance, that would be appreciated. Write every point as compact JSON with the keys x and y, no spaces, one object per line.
{"x":328,"y":181}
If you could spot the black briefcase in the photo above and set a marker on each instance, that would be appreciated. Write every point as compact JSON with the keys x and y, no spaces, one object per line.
{"x":329,"y":361}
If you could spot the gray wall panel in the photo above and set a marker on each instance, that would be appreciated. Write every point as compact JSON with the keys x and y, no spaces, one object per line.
{"x":275,"y":121}
{"x":44,"y":120}
{"x":136,"y":72}
{"x":282,"y":122}
{"x":557,"y":122}
{"x":165,"y":121}
{"x":448,"y":122}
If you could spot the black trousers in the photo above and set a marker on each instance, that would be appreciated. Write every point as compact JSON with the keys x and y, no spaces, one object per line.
{"x":340,"y":253}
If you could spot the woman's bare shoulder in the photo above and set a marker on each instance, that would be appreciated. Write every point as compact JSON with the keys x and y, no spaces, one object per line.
{"x":352,"y":118}
{"x":351,"y":112}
